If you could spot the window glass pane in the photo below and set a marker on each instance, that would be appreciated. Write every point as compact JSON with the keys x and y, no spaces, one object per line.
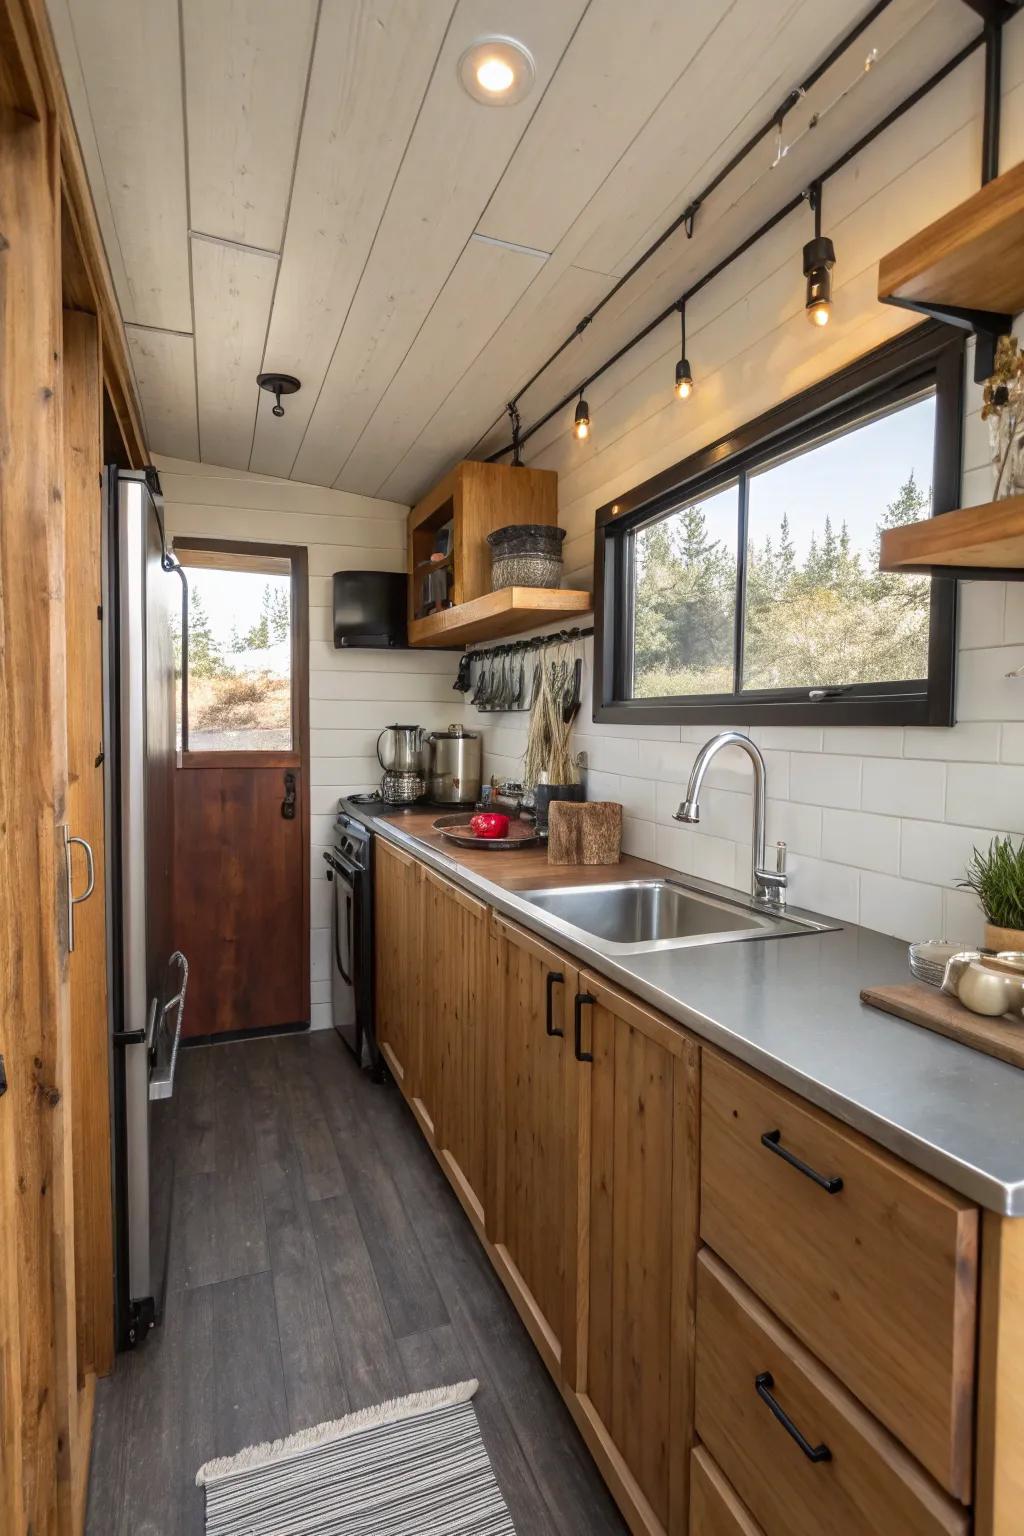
{"x":239,"y":659}
{"x":685,"y":599}
{"x":818,"y":612}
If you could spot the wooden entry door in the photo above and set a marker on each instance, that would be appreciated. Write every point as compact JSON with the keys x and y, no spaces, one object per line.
{"x":241,"y":867}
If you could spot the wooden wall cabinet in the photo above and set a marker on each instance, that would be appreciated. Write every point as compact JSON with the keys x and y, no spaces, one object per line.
{"x":476,"y":499}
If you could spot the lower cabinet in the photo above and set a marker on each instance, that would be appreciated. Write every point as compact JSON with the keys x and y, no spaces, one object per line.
{"x":532,"y":1134}
{"x":714,"y":1508}
{"x":397,"y":935}
{"x":450,"y":1094}
{"x":633,"y":1219}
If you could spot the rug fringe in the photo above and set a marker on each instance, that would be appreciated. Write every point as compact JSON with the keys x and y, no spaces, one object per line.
{"x":391,"y":1412}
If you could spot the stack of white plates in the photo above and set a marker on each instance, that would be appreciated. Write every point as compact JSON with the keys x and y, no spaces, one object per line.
{"x":928,"y":959}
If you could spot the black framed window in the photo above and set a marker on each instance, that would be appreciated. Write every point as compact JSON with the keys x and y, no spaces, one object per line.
{"x":743,"y":585}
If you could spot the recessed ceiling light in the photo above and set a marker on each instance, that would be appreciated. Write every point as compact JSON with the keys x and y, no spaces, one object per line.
{"x":498,"y":71}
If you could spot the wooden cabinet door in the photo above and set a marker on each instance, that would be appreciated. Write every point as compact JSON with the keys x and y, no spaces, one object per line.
{"x":532,"y":1139}
{"x":633,"y":1215}
{"x":451,"y":1098}
{"x":397,"y":889}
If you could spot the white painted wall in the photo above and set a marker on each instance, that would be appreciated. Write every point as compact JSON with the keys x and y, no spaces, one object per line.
{"x":353,"y":694}
{"x":879,"y":822}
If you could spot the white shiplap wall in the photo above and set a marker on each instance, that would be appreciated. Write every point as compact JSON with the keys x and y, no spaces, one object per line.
{"x":879,"y":822}
{"x":353,"y":694}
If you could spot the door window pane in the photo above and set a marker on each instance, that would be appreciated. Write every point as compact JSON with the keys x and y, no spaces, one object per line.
{"x":818,"y":612}
{"x":684,"y":608}
{"x":239,"y":652}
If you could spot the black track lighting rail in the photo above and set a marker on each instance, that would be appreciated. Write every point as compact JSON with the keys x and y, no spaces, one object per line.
{"x":790,"y":206}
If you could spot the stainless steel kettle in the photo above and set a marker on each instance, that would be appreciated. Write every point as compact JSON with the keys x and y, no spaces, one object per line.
{"x":403,"y":750}
{"x":453,"y":774}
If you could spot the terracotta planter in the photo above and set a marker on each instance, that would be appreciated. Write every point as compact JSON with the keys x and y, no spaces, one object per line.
{"x":1004,"y":938}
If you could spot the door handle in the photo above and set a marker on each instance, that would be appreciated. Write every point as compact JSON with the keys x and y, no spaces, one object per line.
{"x":581,"y":999}
{"x":763,"y":1384}
{"x":772,"y":1140}
{"x":288,"y":803}
{"x":553,"y":978}
{"x":73,"y":900}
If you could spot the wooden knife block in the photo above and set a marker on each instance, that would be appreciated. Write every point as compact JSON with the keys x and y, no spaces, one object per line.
{"x":587,"y":832}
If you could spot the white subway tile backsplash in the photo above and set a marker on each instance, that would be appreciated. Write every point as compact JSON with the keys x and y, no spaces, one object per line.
{"x":1012,"y":746}
{"x":980,"y":606}
{"x":833,"y":889}
{"x":963,"y":920}
{"x":796,"y":825}
{"x":821,"y":780}
{"x":861,"y":839}
{"x":992,"y":794}
{"x":903,"y":908}
{"x":787,"y":738}
{"x":938,"y":853}
{"x":965,"y":742}
{"x":1013,"y":616}
{"x":902,"y":788}
{"x":983,"y":690}
{"x":865,"y":741}
{"x":638,"y":837}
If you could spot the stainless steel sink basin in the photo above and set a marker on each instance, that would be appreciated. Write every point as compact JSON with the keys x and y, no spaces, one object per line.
{"x":636,"y":917}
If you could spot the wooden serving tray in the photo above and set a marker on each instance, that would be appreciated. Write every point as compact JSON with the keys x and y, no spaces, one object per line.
{"x":932,"y":1009}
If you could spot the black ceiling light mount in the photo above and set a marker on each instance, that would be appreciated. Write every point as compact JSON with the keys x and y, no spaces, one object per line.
{"x":684,"y":374}
{"x":278,"y":384}
{"x":819,"y":259}
{"x":513,"y":416}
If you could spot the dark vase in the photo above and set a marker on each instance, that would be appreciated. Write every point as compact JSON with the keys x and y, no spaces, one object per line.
{"x":545,"y":793}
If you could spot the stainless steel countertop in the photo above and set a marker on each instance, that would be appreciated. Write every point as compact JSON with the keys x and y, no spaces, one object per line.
{"x":791,"y":1008}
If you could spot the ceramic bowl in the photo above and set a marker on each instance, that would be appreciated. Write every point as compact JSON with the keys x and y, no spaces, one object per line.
{"x":991,"y":993}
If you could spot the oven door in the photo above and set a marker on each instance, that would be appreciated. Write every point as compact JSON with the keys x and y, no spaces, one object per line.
{"x":345,"y":878}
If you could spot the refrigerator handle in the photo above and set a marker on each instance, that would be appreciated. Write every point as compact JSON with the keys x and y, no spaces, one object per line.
{"x":73,"y":900}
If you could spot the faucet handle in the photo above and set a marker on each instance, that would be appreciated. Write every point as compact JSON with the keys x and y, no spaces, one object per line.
{"x":780,"y":858}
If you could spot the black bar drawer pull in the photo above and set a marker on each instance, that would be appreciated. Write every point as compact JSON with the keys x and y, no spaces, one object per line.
{"x":764,"y":1384}
{"x":582,"y":998}
{"x":554,"y":977}
{"x":773,"y":1141}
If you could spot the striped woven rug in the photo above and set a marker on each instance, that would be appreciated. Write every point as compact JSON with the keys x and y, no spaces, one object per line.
{"x":416,"y":1466}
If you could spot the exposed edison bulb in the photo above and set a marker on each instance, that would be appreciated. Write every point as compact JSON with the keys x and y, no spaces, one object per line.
{"x":819,"y":312}
{"x":495,"y":75}
{"x":582,"y":429}
{"x":581,"y":421}
{"x":684,"y":379}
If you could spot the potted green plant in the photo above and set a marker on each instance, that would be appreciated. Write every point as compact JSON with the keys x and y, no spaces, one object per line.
{"x":996,"y":877}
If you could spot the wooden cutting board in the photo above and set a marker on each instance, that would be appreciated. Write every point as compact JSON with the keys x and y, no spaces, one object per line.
{"x":936,"y":1010}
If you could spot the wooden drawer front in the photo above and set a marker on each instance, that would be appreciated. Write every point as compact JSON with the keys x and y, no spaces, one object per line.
{"x":879,"y":1278}
{"x":864,"y":1483}
{"x":714,"y":1508}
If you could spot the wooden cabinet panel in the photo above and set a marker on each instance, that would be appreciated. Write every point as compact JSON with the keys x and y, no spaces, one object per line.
{"x":452,"y":1090}
{"x":864,"y":1485}
{"x":879,"y":1278}
{"x":714,"y":1508}
{"x":634,"y":1220}
{"x":532,"y":1139}
{"x":397,"y":886}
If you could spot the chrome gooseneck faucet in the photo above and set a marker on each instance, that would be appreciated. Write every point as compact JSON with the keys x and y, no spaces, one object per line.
{"x":767,"y":886}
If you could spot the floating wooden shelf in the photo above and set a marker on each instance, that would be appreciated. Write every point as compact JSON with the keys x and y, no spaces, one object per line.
{"x":498,"y":614}
{"x":970,"y":259}
{"x":981,"y":541}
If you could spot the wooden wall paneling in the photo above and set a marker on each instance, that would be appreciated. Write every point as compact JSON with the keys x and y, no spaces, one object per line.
{"x":453,"y":159}
{"x":484,"y":286}
{"x":90,"y":1040}
{"x":999,"y":1470}
{"x":164,"y":363}
{"x":130,"y":57}
{"x":633,"y":1220}
{"x":354,"y":135}
{"x":33,"y":983}
{"x":232,"y":291}
{"x":240,"y":155}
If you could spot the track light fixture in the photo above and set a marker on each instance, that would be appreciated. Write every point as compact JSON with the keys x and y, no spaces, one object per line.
{"x":819,"y":259}
{"x":278,"y":384}
{"x":581,"y":423}
{"x":684,"y":375}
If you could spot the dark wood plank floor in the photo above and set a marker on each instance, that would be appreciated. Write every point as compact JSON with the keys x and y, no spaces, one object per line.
{"x":319,"y":1263}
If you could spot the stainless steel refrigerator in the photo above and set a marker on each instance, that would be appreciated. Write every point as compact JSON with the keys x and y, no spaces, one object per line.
{"x":147,"y":972}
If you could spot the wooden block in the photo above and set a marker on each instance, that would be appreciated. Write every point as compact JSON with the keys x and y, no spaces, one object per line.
{"x":588,"y":832}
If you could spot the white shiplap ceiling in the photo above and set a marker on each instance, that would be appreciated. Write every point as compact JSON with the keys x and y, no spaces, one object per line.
{"x":305,"y":187}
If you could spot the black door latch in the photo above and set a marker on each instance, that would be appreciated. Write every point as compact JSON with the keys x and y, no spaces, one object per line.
{"x":3,"y":1078}
{"x":288,"y":803}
